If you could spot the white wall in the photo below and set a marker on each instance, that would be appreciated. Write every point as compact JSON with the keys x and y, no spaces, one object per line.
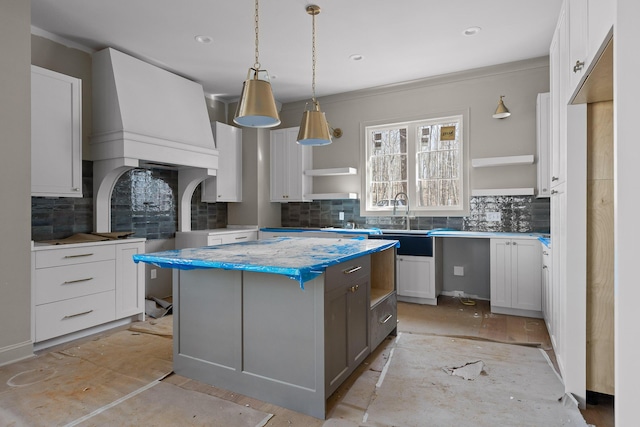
{"x":15,"y":181}
{"x":626,"y":207}
{"x":475,"y":90}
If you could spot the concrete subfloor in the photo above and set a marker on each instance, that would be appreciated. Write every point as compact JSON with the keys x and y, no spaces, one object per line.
{"x":449,"y":318}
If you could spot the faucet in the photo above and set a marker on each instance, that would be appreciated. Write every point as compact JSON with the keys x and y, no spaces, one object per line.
{"x":406,"y":197}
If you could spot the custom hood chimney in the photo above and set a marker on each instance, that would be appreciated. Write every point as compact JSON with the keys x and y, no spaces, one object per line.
{"x":144,"y":116}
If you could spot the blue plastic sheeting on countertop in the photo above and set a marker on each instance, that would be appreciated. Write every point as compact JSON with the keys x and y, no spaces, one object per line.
{"x":481,"y":234}
{"x":299,"y":258}
{"x":545,"y":240}
{"x":326,"y":229}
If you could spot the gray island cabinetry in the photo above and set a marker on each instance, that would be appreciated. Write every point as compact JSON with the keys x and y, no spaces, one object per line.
{"x":242,"y":324}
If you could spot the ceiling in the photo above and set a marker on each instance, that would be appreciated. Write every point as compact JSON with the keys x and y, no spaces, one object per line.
{"x":399,"y":40}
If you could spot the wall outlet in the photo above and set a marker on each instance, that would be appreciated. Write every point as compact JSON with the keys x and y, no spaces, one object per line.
{"x":458,"y":270}
{"x":341,"y":216}
{"x":493,"y":216}
{"x":154,"y":273}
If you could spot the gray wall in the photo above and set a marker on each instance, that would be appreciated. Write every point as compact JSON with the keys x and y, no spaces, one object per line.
{"x":15,"y":180}
{"x":475,"y":90}
{"x":473,"y":255}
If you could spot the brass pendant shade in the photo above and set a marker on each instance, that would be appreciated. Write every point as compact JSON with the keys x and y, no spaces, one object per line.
{"x":314,"y":129}
{"x":257,"y":106}
{"x":502,"y":111}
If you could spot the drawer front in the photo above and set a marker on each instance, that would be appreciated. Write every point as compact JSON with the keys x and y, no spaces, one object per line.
{"x":347,"y":272}
{"x":68,"y":256}
{"x":71,"y":281}
{"x":63,"y":317}
{"x":244,"y":236}
{"x":383,"y":320}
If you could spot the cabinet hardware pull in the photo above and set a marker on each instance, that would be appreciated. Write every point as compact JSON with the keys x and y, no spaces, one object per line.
{"x":555,"y":178}
{"x":578,"y":66}
{"x":514,"y":243}
{"x":544,"y":267}
{"x":386,"y":319}
{"x":352,"y":270}
{"x":354,"y":288}
{"x":554,"y":192}
{"x":545,"y":253}
{"x":75,"y":189}
{"x":241,"y":237}
{"x":77,"y":280}
{"x":77,"y":314}
{"x":77,"y":256}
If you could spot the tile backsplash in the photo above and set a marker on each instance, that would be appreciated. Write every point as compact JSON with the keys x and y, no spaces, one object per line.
{"x":143,"y":200}
{"x":146,"y":201}
{"x":517,"y":214}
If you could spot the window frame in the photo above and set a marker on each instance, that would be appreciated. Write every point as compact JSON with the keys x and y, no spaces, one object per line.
{"x":412,"y":158}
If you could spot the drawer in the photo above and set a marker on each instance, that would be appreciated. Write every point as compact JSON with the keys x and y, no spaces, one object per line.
{"x":383,"y":320}
{"x":67,"y":256}
{"x":347,"y":272}
{"x":71,"y":281}
{"x":244,"y":236}
{"x":63,"y":317}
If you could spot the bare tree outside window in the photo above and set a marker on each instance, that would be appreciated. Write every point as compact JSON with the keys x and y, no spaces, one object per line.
{"x":422,"y":159}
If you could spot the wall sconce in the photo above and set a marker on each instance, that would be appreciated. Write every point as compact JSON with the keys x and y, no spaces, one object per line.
{"x":502,"y":111}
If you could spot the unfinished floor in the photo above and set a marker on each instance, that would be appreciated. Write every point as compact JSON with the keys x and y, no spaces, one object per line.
{"x":450,"y":318}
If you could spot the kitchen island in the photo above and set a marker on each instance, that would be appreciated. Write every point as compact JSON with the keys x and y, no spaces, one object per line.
{"x":284,"y":320}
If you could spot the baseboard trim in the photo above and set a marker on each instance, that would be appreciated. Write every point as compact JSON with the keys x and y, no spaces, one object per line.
{"x":16,"y":352}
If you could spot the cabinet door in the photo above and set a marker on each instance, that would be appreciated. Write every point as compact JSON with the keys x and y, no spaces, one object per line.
{"x":358,"y":321}
{"x":289,"y":160}
{"x":547,"y":296}
{"x":577,"y":42}
{"x":526,"y":280}
{"x":500,"y":275}
{"x":414,"y":277}
{"x":601,"y":14}
{"x":543,"y":143}
{"x":130,"y":283}
{"x":558,"y":63}
{"x":226,"y":186}
{"x":56,"y":134}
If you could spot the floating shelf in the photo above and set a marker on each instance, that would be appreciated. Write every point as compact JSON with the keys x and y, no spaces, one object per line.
{"x":502,"y":161}
{"x":503,"y":192}
{"x":330,"y":196}
{"x":331,"y":172}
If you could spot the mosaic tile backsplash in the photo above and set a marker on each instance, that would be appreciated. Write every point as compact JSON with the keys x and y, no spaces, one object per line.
{"x":518,"y":214}
{"x":143,"y":201}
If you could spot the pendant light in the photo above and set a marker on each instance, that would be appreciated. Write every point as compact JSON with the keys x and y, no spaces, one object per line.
{"x":502,"y":111}
{"x":257,"y":107}
{"x":314,"y":129}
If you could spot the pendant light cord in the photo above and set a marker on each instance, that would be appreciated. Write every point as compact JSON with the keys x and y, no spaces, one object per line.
{"x":257,"y":63}
{"x":313,"y":57}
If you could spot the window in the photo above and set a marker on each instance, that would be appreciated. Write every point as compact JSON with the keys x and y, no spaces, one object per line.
{"x":419,"y":165}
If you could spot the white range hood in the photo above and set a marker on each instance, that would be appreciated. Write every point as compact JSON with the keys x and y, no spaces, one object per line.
{"x":144,"y":116}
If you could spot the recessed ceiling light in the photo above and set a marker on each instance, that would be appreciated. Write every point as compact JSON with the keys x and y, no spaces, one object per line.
{"x":356,"y":57}
{"x":471,"y":31}
{"x":203,"y":39}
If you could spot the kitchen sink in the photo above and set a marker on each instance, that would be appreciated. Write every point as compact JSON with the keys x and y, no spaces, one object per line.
{"x":410,"y":244}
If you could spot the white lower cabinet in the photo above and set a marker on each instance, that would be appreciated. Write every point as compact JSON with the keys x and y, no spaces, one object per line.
{"x":200,"y":238}
{"x":516,"y":278}
{"x":79,"y":286}
{"x":547,"y":295}
{"x":416,"y":279}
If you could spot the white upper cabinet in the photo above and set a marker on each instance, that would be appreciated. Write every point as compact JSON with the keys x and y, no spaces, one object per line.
{"x":577,"y":42}
{"x":289,"y":160}
{"x":226,"y":186}
{"x":543,"y":137}
{"x":56,"y":134}
{"x":559,"y":75}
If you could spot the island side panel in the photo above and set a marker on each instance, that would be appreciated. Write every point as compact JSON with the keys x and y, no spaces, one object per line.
{"x":207,"y":320}
{"x":283,"y":341}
